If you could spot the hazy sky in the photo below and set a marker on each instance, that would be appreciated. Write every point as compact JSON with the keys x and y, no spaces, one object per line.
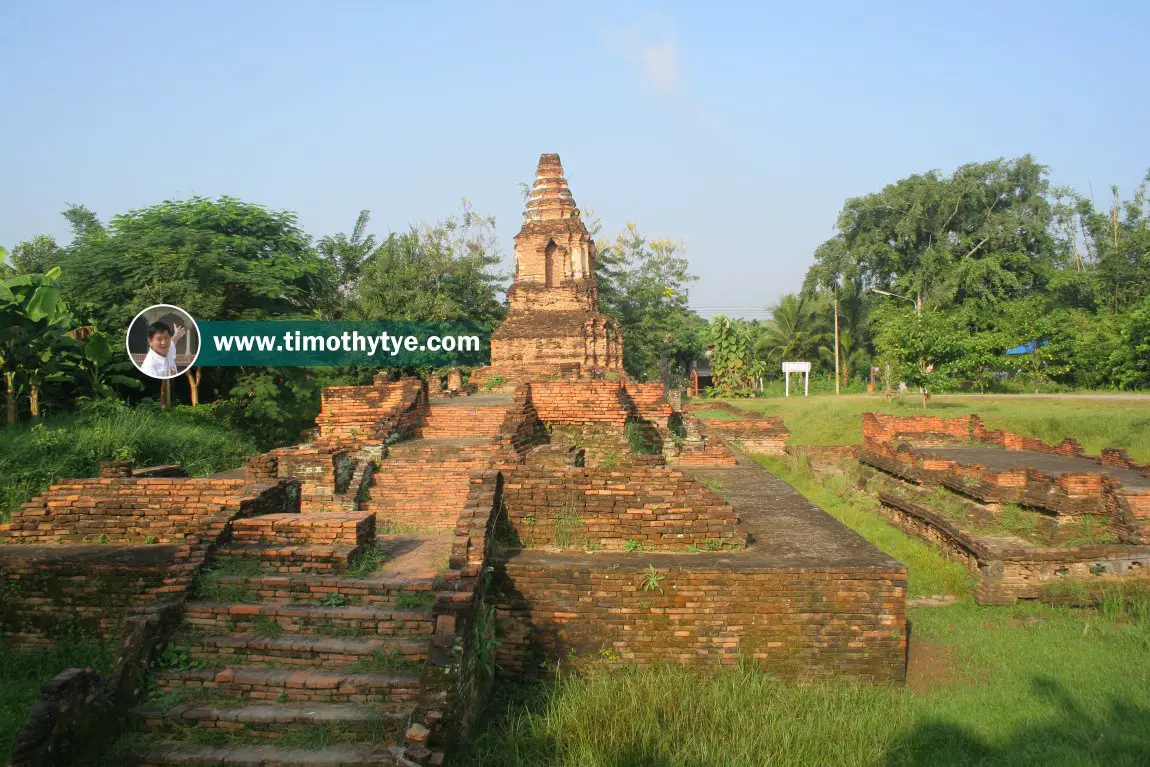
{"x":738,"y":129}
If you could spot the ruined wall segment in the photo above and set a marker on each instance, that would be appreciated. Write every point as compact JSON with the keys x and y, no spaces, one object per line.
{"x":655,"y":508}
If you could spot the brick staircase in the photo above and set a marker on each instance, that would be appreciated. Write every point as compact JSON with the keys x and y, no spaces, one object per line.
{"x":423,"y":483}
{"x":306,"y":666}
{"x":291,"y":655}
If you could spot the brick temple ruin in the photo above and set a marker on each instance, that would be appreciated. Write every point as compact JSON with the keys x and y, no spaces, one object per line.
{"x":373,"y":581}
{"x":1030,"y":519}
{"x":553,"y":325}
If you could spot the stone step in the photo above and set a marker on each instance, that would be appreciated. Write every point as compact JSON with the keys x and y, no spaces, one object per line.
{"x":327,"y":503}
{"x":393,"y":692}
{"x":293,"y":559}
{"x":452,"y":421}
{"x":330,"y":653}
{"x":273,"y":620}
{"x":334,"y":528}
{"x":270,"y":720}
{"x":268,"y":756}
{"x":282,"y":589}
{"x":457,"y":454}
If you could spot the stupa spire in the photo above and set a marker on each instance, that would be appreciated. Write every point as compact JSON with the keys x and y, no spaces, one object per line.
{"x":550,"y":197}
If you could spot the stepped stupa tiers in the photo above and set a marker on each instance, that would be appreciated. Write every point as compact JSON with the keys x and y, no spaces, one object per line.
{"x":554,"y":328}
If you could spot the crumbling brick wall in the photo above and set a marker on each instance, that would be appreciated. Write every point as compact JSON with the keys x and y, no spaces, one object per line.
{"x":49,"y":593}
{"x":796,"y":623}
{"x":161,"y":510}
{"x":880,"y":430}
{"x":522,"y":428}
{"x":1007,"y":574}
{"x":353,"y":414}
{"x":660,"y":509}
{"x":753,"y":432}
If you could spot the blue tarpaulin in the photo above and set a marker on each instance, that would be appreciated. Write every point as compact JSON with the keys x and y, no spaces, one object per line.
{"x":1026,"y":348}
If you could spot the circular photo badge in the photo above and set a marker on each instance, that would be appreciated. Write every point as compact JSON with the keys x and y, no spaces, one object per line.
{"x":163,"y":341}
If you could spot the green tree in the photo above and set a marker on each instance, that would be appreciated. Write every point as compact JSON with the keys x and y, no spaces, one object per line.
{"x":793,"y":332}
{"x":36,"y":256}
{"x":439,"y":272}
{"x":925,"y":349}
{"x":981,"y":234}
{"x":349,"y":253}
{"x":643,"y":284}
{"x":734,"y":365}
{"x":1119,"y":243}
{"x":833,"y":265}
{"x":220,"y":259}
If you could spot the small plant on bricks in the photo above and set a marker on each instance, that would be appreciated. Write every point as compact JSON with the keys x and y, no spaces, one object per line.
{"x":652,"y":580}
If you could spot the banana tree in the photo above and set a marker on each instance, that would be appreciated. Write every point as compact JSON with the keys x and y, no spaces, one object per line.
{"x":103,"y":368}
{"x":34,"y":345}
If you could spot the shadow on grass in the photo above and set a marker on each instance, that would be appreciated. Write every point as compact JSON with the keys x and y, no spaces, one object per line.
{"x":1120,"y":736}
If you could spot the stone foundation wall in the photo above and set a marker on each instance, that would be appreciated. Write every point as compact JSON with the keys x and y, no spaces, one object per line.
{"x":135,"y":510}
{"x":924,"y":431}
{"x":51,"y":593}
{"x":1007,"y":575}
{"x":752,"y":432}
{"x":660,"y":509}
{"x":796,"y":623}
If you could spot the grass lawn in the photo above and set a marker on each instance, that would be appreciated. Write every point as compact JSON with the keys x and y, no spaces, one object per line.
{"x":1096,"y":423}
{"x":22,"y":674}
{"x":1028,"y":684}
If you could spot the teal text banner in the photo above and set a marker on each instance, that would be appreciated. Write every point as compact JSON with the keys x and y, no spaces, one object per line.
{"x":314,"y":343}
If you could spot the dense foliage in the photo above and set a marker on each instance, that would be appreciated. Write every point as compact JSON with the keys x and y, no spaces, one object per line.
{"x":934,"y":278}
{"x":644,"y":285}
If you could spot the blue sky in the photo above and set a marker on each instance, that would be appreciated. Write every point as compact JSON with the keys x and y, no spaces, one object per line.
{"x":738,"y":129}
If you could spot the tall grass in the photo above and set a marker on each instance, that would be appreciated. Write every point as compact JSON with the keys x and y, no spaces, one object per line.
{"x":1024,"y":685}
{"x":32,"y":457}
{"x":1096,"y":423}
{"x":672,"y":716}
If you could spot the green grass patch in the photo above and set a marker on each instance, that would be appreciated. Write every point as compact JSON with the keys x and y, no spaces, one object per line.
{"x":415,"y":600}
{"x":23,"y":673}
{"x":267,"y":626}
{"x":367,"y":561}
{"x":32,"y":457}
{"x":1096,"y":423}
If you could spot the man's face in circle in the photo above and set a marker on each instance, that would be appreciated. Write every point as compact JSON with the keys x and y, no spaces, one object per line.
{"x":160,"y":343}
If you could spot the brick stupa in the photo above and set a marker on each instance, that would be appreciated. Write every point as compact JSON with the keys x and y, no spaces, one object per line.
{"x":554,"y":328}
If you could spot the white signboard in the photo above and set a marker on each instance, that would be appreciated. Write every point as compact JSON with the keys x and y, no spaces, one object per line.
{"x":803,"y":369}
